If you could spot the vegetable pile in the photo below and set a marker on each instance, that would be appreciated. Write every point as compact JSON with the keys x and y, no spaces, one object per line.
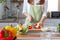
{"x":8,"y":33}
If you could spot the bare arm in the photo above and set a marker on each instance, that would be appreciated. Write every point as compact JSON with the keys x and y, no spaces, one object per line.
{"x":42,"y":19}
{"x":26,"y":14}
{"x":44,"y":16}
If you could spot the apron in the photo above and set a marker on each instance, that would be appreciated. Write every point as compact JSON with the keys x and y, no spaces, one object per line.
{"x":36,"y":13}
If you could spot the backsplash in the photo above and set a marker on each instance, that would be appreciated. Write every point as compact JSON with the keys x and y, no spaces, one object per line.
{"x":48,"y":22}
{"x":51,"y":22}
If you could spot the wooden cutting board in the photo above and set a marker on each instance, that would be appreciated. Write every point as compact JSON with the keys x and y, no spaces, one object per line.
{"x":56,"y":35}
{"x":29,"y":35}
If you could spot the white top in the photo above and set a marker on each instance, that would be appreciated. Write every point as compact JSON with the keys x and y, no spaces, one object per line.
{"x":26,"y":6}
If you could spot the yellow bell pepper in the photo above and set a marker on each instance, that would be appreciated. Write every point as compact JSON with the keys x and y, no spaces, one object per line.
{"x":14,"y":32}
{"x":12,"y":29}
{"x":8,"y":27}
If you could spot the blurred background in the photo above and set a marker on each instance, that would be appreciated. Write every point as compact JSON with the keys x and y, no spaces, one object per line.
{"x":11,"y":12}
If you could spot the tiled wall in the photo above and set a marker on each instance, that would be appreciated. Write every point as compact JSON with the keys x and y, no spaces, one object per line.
{"x":48,"y":22}
{"x":51,"y":22}
{"x":4,"y":24}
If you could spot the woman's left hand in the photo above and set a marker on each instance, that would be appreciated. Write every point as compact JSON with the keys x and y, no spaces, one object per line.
{"x":40,"y":23}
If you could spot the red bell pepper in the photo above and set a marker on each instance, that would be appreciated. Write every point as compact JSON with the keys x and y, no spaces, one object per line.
{"x":5,"y":35}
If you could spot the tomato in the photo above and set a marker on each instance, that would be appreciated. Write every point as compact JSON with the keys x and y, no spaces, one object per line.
{"x":37,"y":26}
{"x":30,"y":27}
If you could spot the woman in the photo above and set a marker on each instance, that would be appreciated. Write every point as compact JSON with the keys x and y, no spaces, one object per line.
{"x":35,"y":11}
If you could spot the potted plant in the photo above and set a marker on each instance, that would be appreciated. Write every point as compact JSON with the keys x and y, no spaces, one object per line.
{"x":2,"y":2}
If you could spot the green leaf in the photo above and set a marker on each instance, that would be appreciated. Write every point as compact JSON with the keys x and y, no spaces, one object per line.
{"x":24,"y":28}
{"x":2,"y":1}
{"x":6,"y":34}
{"x":58,"y":27}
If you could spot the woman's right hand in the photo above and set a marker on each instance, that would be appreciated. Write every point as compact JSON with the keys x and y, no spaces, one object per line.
{"x":30,"y":18}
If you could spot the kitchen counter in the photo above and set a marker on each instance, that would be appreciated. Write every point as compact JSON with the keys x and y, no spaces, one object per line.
{"x":39,"y":35}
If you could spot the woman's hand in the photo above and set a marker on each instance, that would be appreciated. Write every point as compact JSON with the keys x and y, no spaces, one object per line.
{"x":40,"y":23}
{"x":30,"y":18}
